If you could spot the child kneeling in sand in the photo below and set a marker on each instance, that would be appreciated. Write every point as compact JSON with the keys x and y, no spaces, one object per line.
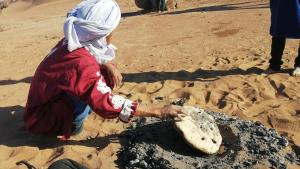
{"x":77,"y":76}
{"x":285,"y":23}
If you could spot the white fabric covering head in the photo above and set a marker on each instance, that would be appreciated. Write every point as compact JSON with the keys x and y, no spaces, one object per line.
{"x":88,"y":24}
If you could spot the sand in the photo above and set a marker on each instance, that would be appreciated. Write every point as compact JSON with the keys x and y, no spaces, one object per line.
{"x":210,"y":52}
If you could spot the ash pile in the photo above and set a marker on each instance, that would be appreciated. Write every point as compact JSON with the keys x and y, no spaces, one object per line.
{"x":151,"y":143}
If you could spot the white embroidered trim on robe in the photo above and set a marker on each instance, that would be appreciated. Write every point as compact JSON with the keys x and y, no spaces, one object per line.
{"x":118,"y":101}
{"x":102,"y":87}
{"x":126,"y":111}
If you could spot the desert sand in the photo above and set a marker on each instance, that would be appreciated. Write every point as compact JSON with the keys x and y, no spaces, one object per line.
{"x":210,"y":52}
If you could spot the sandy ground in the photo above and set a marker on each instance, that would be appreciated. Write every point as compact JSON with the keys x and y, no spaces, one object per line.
{"x":211,"y":52}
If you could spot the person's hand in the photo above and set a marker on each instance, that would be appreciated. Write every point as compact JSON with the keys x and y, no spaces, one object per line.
{"x":171,"y":111}
{"x":109,"y":39}
{"x":114,"y":74}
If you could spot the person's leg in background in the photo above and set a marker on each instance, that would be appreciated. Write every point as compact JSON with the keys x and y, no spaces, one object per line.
{"x":277,"y":48}
{"x":162,"y":4}
{"x":296,"y":72}
{"x":154,"y":5}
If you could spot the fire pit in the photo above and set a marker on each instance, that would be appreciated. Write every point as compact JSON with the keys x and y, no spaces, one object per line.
{"x":151,"y":143}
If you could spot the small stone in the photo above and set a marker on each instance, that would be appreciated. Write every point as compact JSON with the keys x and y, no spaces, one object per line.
{"x":273,"y":132}
{"x":273,"y":162}
{"x":132,"y":162}
{"x":274,"y":149}
{"x":257,"y":123}
{"x":282,"y":166}
{"x":89,"y":156}
{"x":159,"y":98}
{"x":237,"y":167}
{"x":197,"y":165}
{"x":179,"y":102}
{"x":291,"y":157}
{"x":246,"y":163}
{"x":284,"y":141}
{"x":133,"y":125}
{"x":255,"y":162}
{"x":191,"y":84}
{"x":144,"y":164}
{"x":261,"y":132}
{"x":263,"y":152}
{"x":179,"y":158}
{"x":267,"y":138}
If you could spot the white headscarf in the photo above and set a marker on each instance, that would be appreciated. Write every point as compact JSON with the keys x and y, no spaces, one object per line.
{"x":88,"y":24}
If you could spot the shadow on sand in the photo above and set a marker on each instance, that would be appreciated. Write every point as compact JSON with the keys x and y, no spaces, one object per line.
{"x":198,"y":75}
{"x":10,"y":82}
{"x":14,"y":134}
{"x":135,"y":13}
{"x":223,"y":7}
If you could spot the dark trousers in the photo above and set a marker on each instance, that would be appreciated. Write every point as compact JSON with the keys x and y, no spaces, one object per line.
{"x":278,"y":45}
{"x":161,"y":5}
{"x":66,"y":164}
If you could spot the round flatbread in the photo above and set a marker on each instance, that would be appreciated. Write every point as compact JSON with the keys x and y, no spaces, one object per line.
{"x":200,"y":130}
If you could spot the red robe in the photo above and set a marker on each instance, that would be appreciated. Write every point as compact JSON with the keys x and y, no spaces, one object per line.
{"x":48,"y":110}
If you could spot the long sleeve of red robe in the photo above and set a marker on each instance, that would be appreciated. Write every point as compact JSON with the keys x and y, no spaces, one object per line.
{"x":50,"y":112}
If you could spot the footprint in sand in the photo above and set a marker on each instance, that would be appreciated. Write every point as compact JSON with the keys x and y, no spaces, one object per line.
{"x":285,"y":123}
{"x":2,"y":29}
{"x":226,"y":33}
